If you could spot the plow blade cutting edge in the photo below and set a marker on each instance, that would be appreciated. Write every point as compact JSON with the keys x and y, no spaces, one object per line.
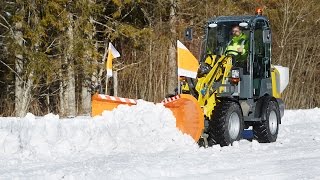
{"x":185,"y":108}
{"x":101,"y":102}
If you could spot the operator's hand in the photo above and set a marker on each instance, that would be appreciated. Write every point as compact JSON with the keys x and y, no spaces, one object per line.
{"x":240,"y":50}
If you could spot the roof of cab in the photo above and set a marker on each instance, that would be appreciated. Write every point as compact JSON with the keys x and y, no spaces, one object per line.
{"x":248,"y":18}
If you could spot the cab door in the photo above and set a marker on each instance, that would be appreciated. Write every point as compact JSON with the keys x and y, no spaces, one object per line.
{"x":261,"y":59}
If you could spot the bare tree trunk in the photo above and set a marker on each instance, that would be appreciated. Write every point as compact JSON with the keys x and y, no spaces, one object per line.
{"x":19,"y":70}
{"x":102,"y":68}
{"x":151,"y":72}
{"x":96,"y":78}
{"x":22,"y":89}
{"x":48,"y":100}
{"x":61,"y":94}
{"x":86,"y":99}
{"x":85,"y":91}
{"x":85,"y":85}
{"x":172,"y":76}
{"x":70,"y":88}
{"x":26,"y":96}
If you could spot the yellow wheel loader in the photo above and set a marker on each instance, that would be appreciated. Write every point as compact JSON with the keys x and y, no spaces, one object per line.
{"x":227,"y":96}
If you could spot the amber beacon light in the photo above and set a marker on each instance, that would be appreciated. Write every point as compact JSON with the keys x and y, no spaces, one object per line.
{"x":259,"y":11}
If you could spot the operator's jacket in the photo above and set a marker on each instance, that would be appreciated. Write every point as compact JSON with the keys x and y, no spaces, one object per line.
{"x":239,"y":42}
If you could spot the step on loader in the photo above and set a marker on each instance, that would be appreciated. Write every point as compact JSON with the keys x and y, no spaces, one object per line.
{"x":228,"y":95}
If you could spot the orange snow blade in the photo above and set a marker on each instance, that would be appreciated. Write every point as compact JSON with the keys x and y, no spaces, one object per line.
{"x":189,"y":115}
{"x":185,"y":108}
{"x":101,"y":102}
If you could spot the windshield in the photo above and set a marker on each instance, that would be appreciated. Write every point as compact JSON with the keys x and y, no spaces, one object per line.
{"x":212,"y":41}
{"x":219,"y":37}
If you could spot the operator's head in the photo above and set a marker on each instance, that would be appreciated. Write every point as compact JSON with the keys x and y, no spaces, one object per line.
{"x":236,"y":31}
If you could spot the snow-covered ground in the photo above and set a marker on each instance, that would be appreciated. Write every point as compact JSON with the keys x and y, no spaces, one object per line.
{"x":141,"y":142}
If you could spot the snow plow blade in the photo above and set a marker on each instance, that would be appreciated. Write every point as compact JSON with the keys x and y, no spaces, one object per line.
{"x":188,"y":113}
{"x":101,"y":102}
{"x":185,"y":108}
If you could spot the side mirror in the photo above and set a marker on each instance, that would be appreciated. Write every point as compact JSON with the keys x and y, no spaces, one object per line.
{"x":188,"y":33}
{"x":266,"y":36}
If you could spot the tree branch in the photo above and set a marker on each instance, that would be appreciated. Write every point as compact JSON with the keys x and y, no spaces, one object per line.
{"x":4,"y":26}
{"x":11,"y":69}
{"x":5,"y":20}
{"x":124,"y":67}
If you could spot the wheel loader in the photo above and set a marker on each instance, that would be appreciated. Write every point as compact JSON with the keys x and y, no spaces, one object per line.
{"x":226,"y":97}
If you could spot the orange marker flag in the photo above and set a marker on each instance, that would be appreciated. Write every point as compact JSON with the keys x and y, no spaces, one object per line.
{"x":112,"y":54}
{"x":187,"y":64}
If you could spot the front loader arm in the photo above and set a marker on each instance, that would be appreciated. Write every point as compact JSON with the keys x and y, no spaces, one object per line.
{"x":209,"y":85}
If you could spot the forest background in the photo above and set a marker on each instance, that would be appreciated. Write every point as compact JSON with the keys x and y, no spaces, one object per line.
{"x":53,"y":52}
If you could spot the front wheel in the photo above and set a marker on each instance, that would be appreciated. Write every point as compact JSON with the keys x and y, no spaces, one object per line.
{"x":226,"y":124}
{"x":266,"y":131}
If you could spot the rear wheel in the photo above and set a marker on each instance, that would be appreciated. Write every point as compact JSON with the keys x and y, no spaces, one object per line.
{"x":226,"y":124}
{"x":266,"y":131}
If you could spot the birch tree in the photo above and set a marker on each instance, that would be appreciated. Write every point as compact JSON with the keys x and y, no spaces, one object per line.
{"x":172,"y":64}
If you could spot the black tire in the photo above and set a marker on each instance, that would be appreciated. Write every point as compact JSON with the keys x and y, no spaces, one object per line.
{"x":226,"y":124}
{"x":266,"y":131}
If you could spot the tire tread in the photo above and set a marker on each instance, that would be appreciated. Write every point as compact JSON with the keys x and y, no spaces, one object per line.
{"x":218,"y":126}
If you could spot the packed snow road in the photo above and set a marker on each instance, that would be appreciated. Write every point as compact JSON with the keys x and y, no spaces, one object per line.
{"x":141,"y":142}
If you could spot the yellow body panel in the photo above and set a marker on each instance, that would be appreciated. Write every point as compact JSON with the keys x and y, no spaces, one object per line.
{"x":275,"y":88}
{"x":185,"y":86}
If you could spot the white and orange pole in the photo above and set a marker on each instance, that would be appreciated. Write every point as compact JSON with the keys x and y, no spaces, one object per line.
{"x":112,"y":54}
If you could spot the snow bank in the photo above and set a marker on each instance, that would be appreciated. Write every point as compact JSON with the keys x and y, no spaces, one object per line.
{"x":145,"y":128}
{"x":141,"y":142}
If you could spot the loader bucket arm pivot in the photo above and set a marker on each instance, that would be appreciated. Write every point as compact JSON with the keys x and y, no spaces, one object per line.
{"x":188,"y":114}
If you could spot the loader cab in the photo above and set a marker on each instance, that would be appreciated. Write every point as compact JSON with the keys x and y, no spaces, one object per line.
{"x":219,"y":34}
{"x":256,"y":76}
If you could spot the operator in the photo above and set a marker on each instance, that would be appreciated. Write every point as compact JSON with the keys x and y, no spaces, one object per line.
{"x":238,"y":47}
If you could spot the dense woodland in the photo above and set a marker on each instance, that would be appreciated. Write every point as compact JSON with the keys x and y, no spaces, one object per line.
{"x":53,"y":52}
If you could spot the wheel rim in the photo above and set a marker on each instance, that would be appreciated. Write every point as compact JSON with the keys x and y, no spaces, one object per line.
{"x":234,"y":125}
{"x":273,"y":122}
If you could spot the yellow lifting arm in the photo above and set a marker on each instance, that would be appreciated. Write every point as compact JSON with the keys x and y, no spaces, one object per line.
{"x":218,"y":74}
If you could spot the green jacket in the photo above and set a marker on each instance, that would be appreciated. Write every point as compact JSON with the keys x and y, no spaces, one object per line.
{"x":236,"y":42}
